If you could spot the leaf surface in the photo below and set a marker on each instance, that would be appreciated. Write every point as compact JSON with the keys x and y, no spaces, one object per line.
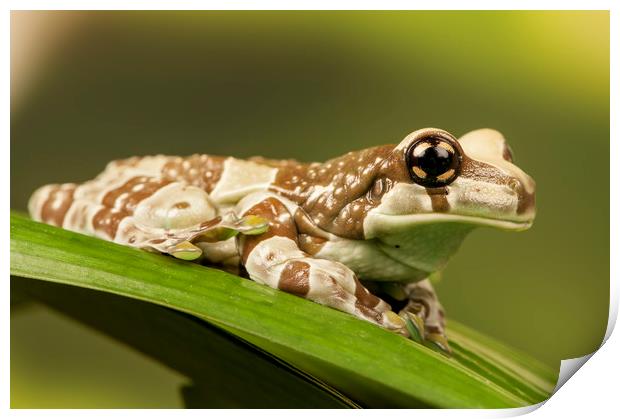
{"x":369,"y":365}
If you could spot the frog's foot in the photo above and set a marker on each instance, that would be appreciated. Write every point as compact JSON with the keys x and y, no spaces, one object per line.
{"x":424,"y":317}
{"x":181,"y":243}
{"x":422,"y":330}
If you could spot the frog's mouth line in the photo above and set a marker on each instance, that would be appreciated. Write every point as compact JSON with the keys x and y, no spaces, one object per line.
{"x":419,"y":219}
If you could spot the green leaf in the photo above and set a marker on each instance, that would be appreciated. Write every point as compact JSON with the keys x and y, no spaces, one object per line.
{"x":371,"y":366}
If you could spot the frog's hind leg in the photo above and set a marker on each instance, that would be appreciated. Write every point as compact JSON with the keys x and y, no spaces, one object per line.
{"x":178,"y":216}
{"x":190,"y":243}
{"x":140,"y":211}
{"x":274,"y":259}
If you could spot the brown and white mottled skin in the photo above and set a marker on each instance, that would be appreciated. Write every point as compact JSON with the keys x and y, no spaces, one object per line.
{"x":370,"y":214}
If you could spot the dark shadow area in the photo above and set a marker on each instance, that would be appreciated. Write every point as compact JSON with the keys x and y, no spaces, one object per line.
{"x":222,"y":371}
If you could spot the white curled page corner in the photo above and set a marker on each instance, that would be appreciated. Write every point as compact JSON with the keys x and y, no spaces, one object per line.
{"x":569,"y":367}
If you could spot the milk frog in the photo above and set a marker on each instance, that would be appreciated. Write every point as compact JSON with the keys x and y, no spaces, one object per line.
{"x":360,"y":233}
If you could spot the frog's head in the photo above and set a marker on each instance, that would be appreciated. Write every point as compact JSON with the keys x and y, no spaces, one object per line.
{"x":443,"y":186}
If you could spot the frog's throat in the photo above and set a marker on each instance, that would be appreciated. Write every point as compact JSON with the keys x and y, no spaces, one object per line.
{"x":424,"y":247}
{"x":379,"y":224}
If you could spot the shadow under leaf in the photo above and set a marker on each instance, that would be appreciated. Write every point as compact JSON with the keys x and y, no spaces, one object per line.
{"x":223,"y":371}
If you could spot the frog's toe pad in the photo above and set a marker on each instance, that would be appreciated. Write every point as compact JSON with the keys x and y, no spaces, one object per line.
{"x":394,"y":322}
{"x":185,"y":251}
{"x":415,"y":326}
{"x":430,"y":336}
{"x":252,"y":225}
{"x":438,"y":342}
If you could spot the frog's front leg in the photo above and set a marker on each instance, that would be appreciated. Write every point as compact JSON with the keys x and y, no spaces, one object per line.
{"x":275,"y":259}
{"x":425,"y":315}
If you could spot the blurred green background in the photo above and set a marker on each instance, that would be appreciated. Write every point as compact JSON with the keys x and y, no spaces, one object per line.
{"x":91,"y":87}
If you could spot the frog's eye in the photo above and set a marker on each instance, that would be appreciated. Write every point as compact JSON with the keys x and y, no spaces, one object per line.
{"x":434,"y":160}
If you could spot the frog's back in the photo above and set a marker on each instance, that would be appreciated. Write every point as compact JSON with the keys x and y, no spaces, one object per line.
{"x":138,"y":186}
{"x":225,"y":179}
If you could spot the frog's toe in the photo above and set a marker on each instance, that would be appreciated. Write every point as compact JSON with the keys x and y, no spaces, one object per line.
{"x":394,"y":322}
{"x":185,"y":251}
{"x":430,"y":336}
{"x":415,"y":326}
{"x":438,"y":341}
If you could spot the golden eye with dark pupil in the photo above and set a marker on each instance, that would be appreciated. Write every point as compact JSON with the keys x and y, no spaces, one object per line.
{"x":433,"y":161}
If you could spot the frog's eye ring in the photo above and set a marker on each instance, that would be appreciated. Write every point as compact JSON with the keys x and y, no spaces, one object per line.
{"x":434,"y":160}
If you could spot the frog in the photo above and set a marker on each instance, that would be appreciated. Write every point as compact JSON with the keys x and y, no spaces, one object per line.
{"x":363,"y":233}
